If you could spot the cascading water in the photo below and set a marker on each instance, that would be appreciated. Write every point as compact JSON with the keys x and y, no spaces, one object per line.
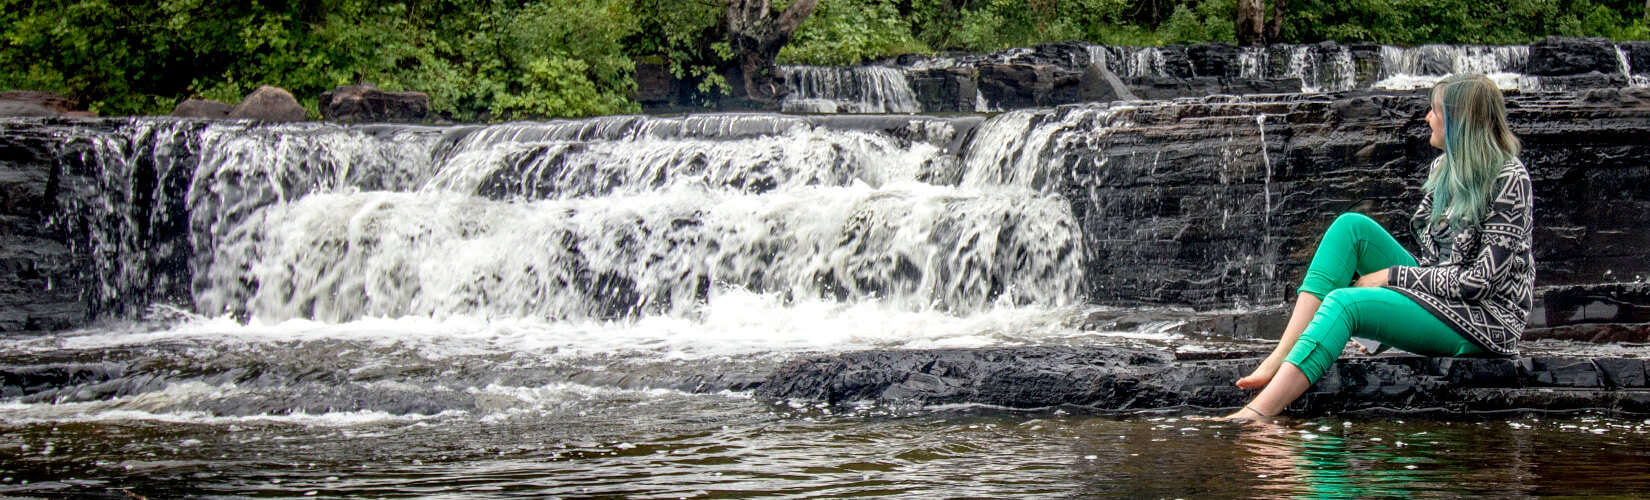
{"x":1318,"y":69}
{"x":1404,"y":68}
{"x":612,"y":219}
{"x":863,"y":89}
{"x":1129,"y":62}
{"x":1634,"y":78}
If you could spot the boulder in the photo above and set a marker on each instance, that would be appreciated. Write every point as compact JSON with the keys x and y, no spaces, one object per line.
{"x":1101,"y":85}
{"x":52,"y":101}
{"x":202,"y":108}
{"x":948,"y":90}
{"x":367,"y":104}
{"x":1559,"y":56}
{"x":25,"y":109}
{"x":1011,"y":86}
{"x":269,"y":103}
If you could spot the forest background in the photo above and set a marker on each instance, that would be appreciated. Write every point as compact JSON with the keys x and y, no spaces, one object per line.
{"x":489,"y":60}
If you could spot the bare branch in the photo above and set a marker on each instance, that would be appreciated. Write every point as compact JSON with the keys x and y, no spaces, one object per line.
{"x":793,"y":16}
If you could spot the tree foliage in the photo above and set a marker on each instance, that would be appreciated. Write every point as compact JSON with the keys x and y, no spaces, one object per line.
{"x":508,"y":59}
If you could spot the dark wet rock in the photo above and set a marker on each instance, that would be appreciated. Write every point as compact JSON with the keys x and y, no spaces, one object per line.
{"x":947,"y":90}
{"x":25,"y":109}
{"x":1214,"y":59}
{"x":1559,"y":56}
{"x":40,"y":283}
{"x":367,"y":104}
{"x":653,"y":82}
{"x":202,"y":108}
{"x":1366,"y":63}
{"x":23,"y":381}
{"x":1215,"y":221}
{"x":1598,"y":333}
{"x":52,"y":101}
{"x":1111,"y":378}
{"x":1012,"y":86}
{"x":1638,"y":56}
{"x":1601,"y":303}
{"x":1584,"y":81}
{"x":268,"y":103}
{"x":1101,"y":85}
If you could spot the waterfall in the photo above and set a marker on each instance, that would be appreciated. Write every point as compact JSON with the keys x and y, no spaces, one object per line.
{"x":1636,"y":80}
{"x":862,"y":89}
{"x":1422,"y":66}
{"x":1129,"y":62}
{"x":1317,"y":69}
{"x":605,"y":218}
{"x":128,"y":194}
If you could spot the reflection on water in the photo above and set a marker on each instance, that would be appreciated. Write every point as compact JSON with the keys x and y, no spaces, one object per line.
{"x":668,"y":444}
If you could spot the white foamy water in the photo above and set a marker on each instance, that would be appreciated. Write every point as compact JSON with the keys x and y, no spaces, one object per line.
{"x":1408,"y":68}
{"x":732,"y":324}
{"x":863,"y":89}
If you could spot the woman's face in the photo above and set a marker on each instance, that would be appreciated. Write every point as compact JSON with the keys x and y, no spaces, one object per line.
{"x":1435,"y":119}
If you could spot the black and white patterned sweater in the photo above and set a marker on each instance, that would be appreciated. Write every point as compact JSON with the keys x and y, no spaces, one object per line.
{"x":1485,"y":285}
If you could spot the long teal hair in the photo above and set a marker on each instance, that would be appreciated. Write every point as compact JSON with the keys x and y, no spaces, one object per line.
{"x":1477,"y":142}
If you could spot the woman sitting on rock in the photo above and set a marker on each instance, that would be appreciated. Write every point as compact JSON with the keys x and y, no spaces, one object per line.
{"x":1470,"y":292}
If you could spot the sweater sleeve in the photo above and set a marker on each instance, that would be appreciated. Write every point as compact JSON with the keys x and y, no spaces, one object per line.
{"x":1505,"y":233}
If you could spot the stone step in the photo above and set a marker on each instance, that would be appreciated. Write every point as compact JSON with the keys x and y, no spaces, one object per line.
{"x":1108,"y":378}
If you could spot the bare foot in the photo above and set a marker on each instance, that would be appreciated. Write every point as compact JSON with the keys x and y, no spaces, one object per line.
{"x":1262,"y":376}
{"x":1243,"y":414}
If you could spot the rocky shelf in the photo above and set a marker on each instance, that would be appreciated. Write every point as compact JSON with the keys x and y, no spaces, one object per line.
{"x":1108,"y":378}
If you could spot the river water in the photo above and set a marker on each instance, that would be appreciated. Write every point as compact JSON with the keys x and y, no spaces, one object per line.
{"x":463,"y":408}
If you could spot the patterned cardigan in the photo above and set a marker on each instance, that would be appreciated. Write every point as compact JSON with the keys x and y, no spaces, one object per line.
{"x":1484,"y":288}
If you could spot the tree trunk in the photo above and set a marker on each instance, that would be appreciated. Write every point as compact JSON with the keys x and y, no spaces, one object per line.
{"x":1250,"y":20}
{"x":756,"y":34}
{"x":1274,"y":25}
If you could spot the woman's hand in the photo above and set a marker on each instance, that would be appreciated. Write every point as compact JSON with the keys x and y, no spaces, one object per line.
{"x":1377,"y":278}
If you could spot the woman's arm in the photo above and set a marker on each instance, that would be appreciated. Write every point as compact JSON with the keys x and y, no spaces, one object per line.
{"x":1505,"y":234}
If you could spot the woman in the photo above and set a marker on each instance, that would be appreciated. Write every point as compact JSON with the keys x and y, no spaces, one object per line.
{"x":1470,"y":292}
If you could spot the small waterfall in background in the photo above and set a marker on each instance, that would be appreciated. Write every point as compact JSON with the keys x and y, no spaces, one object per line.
{"x":1129,"y":62}
{"x":1319,"y":68}
{"x":1639,"y":77}
{"x":1404,"y":68}
{"x":861,"y":89}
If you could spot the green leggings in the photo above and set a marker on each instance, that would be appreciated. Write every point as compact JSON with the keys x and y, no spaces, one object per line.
{"x":1356,"y":243}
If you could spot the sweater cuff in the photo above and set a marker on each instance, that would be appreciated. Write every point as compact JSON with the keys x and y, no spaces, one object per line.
{"x":1399,"y":276}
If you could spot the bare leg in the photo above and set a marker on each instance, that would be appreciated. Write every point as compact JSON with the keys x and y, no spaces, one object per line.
{"x":1306,"y":305}
{"x":1289,"y":384}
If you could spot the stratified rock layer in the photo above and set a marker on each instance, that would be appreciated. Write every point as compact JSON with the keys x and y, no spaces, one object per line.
{"x":1112,"y":378}
{"x":1214,"y":203}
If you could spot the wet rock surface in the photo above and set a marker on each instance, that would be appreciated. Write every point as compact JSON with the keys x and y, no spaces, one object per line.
{"x":1112,"y":378}
{"x":367,"y":104}
{"x":1231,"y":213}
{"x":1557,"y":56}
{"x":202,"y":108}
{"x":40,"y":282}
